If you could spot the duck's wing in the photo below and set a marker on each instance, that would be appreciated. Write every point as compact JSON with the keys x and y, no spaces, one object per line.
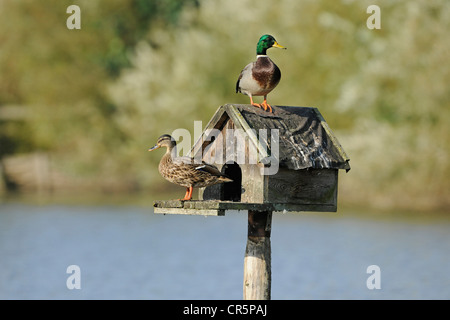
{"x":212,"y":170}
{"x":189,"y":165}
{"x":247,"y":70}
{"x":209,"y":168}
{"x":237,"y":83}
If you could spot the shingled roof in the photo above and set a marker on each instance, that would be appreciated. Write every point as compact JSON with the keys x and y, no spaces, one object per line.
{"x":305,"y":140}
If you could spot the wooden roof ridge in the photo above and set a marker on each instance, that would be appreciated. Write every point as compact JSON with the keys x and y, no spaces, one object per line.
{"x":305,"y":139}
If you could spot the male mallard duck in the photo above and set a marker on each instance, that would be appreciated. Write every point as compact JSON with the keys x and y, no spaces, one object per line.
{"x":184,"y":171}
{"x":262,"y":76}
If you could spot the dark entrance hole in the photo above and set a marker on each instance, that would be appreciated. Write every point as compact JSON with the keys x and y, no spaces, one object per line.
{"x":232,"y":190}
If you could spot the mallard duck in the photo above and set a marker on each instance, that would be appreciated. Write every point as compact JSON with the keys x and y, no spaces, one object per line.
{"x":184,"y":171}
{"x":259,"y":78}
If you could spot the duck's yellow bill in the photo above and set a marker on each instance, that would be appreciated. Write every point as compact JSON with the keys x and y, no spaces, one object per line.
{"x":276,"y":45}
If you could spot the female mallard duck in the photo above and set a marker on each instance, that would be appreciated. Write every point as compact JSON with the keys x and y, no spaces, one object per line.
{"x":184,"y":171}
{"x":262,"y":76}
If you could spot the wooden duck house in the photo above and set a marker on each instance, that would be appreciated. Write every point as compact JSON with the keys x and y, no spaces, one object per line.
{"x":287,"y":160}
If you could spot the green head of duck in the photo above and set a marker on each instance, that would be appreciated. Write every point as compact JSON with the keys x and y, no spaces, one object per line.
{"x":266,"y":42}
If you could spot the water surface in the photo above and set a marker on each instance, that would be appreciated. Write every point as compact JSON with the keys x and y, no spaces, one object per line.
{"x":128,"y":252}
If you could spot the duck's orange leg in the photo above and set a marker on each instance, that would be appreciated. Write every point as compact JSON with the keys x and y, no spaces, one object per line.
{"x":253,"y":103}
{"x":188,"y":195}
{"x":266,"y":106}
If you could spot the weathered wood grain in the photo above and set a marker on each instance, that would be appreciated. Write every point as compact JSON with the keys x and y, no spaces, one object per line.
{"x":313,"y":186}
{"x":196,"y":212}
{"x":257,"y":261}
{"x":212,"y":207}
{"x":309,"y":156}
{"x":252,"y":183}
{"x":257,"y":269}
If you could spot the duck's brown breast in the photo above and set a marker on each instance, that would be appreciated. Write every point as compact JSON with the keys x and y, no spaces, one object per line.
{"x":266,"y":73}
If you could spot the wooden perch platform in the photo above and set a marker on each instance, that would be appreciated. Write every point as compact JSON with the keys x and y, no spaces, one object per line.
{"x":218,"y":208}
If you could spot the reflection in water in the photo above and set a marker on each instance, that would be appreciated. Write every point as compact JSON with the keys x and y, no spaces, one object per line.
{"x":130,"y":253}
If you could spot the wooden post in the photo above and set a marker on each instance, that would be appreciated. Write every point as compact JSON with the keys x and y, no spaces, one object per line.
{"x":257,"y":271}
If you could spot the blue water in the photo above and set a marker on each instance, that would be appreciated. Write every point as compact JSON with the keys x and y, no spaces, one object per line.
{"x":130,"y":253}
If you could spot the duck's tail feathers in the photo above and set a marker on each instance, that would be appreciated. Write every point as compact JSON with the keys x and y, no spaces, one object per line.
{"x":214,"y":171}
{"x":225,"y":179}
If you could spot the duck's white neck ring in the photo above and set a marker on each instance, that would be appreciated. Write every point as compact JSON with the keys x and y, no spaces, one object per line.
{"x":261,"y":56}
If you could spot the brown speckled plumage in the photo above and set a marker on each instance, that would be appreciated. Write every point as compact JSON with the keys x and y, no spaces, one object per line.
{"x":183,"y":171}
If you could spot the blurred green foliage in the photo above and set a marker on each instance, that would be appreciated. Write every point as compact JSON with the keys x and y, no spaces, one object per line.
{"x":98,"y":97}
